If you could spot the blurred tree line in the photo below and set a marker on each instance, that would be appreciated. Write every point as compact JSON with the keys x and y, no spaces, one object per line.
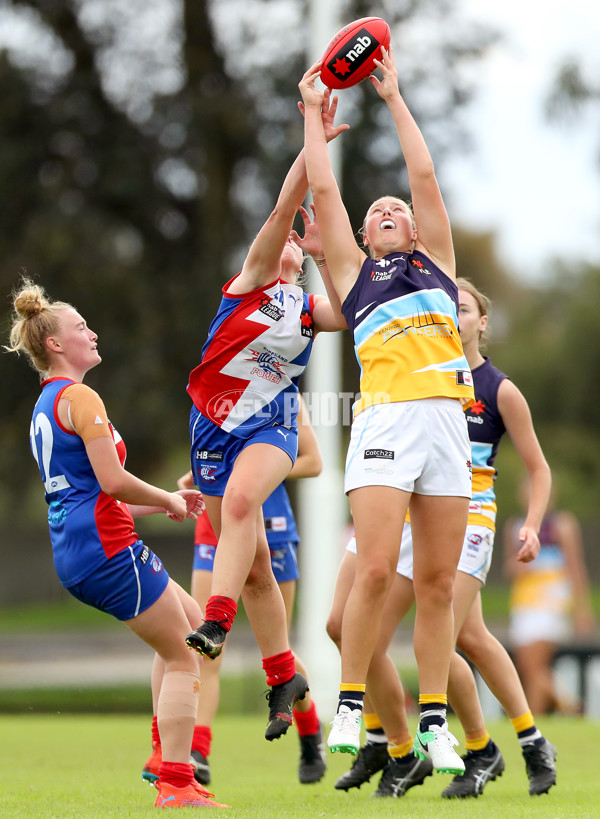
{"x":142,"y":146}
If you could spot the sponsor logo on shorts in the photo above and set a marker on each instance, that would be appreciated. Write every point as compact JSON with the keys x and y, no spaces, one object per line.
{"x":156,"y":564}
{"x":473,"y":542}
{"x":144,"y":555}
{"x":209,"y":455}
{"x":475,"y":507}
{"x":207,"y":473}
{"x":206,"y":552}
{"x":276,"y":524}
{"x":379,"y":471}
{"x":387,"y":454}
{"x":470,"y":468}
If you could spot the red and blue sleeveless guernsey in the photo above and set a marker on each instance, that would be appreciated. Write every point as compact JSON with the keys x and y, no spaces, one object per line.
{"x":258,"y":346}
{"x":403,"y":313}
{"x":486,"y":428}
{"x":87,"y":527}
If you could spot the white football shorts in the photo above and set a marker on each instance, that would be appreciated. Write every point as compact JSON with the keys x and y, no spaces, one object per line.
{"x":419,"y":446}
{"x":475,"y":558}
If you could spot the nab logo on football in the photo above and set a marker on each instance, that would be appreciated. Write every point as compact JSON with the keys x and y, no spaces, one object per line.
{"x":349,"y":57}
{"x":352,"y":55}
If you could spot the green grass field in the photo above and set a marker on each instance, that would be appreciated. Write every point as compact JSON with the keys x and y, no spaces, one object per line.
{"x":89,"y":767}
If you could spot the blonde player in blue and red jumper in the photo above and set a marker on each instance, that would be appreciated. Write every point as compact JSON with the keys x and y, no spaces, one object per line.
{"x":92,"y":499}
{"x":409,"y":441}
{"x":243,"y":428}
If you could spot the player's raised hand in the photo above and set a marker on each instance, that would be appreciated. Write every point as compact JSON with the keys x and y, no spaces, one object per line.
{"x":311,"y":241}
{"x":311,"y":96}
{"x":388,"y":86}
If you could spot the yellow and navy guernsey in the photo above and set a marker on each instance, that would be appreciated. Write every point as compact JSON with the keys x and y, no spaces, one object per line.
{"x":486,"y":427}
{"x":403,"y":313}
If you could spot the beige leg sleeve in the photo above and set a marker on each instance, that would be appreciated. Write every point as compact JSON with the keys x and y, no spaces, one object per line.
{"x":176,"y":713}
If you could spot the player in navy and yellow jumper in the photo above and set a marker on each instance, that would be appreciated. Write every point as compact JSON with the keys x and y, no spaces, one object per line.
{"x":91,"y":500}
{"x":499,"y":407}
{"x":409,"y":441}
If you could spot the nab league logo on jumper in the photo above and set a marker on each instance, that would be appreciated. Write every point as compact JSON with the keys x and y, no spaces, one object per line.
{"x":352,"y":55}
{"x":270,"y":309}
{"x":383,"y":275}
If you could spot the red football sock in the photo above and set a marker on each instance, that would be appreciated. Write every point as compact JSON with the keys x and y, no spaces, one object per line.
{"x":307,"y":722}
{"x":155,"y":734}
{"x":202,"y":739}
{"x":221,"y":609}
{"x":279,"y":668}
{"x":178,"y":774}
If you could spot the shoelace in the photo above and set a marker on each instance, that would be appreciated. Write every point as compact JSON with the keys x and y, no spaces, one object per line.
{"x":202,"y":790}
{"x":345,"y":720}
{"x":444,"y":734}
{"x":274,"y":696}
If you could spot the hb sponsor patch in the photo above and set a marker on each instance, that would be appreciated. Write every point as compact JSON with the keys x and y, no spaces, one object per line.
{"x":209,"y":455}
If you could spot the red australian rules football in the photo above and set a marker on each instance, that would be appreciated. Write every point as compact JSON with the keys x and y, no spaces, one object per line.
{"x":348,"y":58}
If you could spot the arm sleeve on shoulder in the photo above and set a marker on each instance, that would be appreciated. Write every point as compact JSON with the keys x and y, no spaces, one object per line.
{"x":87,"y":413}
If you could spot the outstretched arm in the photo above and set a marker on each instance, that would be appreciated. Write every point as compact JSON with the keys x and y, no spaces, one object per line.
{"x":434,"y":236}
{"x":115,"y":481}
{"x":343,"y":255}
{"x":519,"y":425}
{"x":262,"y":264}
{"x":327,"y":312}
{"x":309,"y":462}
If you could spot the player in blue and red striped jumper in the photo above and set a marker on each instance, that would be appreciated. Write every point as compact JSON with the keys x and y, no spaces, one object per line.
{"x":244,"y":432}
{"x":92,"y":500}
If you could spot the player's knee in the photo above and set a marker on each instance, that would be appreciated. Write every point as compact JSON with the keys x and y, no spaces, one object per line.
{"x":377,"y":578}
{"x":436,"y":591}
{"x":334,"y":630}
{"x":239,"y":506}
{"x":467,"y":644}
{"x":260,"y":579}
